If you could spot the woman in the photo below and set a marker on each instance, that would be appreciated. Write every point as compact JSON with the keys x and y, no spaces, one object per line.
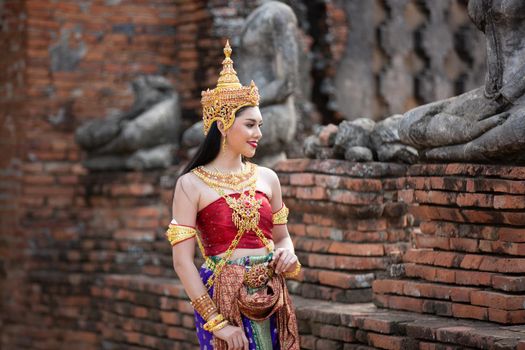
{"x":239,"y":294}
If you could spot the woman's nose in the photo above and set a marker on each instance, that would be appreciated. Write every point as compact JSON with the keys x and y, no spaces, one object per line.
{"x":258,"y":132}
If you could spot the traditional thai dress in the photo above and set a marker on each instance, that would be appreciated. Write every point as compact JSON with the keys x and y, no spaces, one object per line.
{"x":245,"y":290}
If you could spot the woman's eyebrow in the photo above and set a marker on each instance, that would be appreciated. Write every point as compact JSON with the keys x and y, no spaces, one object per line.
{"x":253,"y":120}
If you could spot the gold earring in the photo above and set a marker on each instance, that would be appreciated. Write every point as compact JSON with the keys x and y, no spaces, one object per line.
{"x":224,"y":144}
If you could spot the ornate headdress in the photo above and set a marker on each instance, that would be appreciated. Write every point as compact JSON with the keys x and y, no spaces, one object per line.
{"x":222,"y":102}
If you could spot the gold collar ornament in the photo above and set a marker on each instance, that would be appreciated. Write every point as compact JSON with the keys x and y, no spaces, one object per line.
{"x":229,"y":96}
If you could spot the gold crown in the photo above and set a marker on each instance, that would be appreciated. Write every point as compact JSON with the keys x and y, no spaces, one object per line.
{"x":222,"y":102}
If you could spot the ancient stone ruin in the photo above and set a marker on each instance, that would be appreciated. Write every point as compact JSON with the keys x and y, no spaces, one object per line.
{"x":397,"y":252}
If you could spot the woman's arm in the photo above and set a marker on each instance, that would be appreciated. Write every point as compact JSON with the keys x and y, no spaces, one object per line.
{"x":284,"y":258}
{"x":184,"y":210}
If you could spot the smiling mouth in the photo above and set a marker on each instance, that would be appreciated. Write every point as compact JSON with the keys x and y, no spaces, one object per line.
{"x":253,"y":144}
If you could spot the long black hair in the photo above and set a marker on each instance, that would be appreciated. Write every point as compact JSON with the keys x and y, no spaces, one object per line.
{"x":210,"y":148}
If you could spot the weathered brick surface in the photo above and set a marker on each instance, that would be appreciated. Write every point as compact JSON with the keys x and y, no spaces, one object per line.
{"x":71,"y":241}
{"x":343,"y":224}
{"x":362,"y":326}
{"x":469,"y":243}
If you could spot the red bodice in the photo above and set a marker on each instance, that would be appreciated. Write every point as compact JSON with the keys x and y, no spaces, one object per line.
{"x":218,"y":231}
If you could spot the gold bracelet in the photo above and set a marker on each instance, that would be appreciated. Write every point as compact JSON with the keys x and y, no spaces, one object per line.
{"x":219,"y":326}
{"x":208,"y":326}
{"x":294,"y":273}
{"x":204,"y":306}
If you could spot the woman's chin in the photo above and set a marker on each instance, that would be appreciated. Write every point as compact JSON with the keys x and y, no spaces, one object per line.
{"x":249,"y":154}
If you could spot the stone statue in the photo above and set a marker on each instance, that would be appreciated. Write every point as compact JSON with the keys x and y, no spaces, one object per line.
{"x":360,"y":140}
{"x":486,"y":124}
{"x":144,"y":137}
{"x":268,"y":54}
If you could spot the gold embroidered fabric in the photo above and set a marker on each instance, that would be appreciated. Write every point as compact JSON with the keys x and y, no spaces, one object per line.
{"x":280,"y":217}
{"x":245,"y":212}
{"x":178,"y":233}
{"x":229,"y":96}
{"x":232,"y":300}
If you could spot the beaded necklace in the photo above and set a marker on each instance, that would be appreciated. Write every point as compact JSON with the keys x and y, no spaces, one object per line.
{"x":245,"y":209}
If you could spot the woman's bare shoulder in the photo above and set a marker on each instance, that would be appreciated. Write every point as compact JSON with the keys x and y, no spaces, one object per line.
{"x":189,"y":184}
{"x":268,"y":175}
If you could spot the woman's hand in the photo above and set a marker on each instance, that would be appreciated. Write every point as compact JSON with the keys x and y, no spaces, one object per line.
{"x":284,"y":260}
{"x":233,"y":336}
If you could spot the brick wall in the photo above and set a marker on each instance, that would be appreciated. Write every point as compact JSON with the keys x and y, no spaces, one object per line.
{"x":469,"y":256}
{"x":99,"y":272}
{"x":346,"y":225}
{"x":83,"y":56}
{"x":12,"y":87}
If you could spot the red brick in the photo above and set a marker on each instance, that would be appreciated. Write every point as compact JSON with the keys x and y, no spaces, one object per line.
{"x":461,"y":294}
{"x":471,"y":261}
{"x":388,"y":286}
{"x":500,"y":264}
{"x":316,"y":193}
{"x":170,"y":317}
{"x":509,"y":202}
{"x":372,"y":225}
{"x":354,"y":198}
{"x":475,"y":200}
{"x":386,"y":341}
{"x":510,"y":248}
{"x":497,"y":185}
{"x":507,"y":317}
{"x":406,"y":196}
{"x":344,"y":334}
{"x":469,"y":311}
{"x":448,"y":259}
{"x":473,"y":278}
{"x":498,"y":300}
{"x":509,"y":283}
{"x":328,"y":181}
{"x":363,"y":185}
{"x":430,"y":273}
{"x":360,"y":263}
{"x":437,"y":307}
{"x":421,"y":256}
{"x":464,"y":244}
{"x":132,"y":189}
{"x":423,"y":241}
{"x":511,"y":234}
{"x":302,"y":179}
{"x":356,"y":249}
{"x":405,"y":303}
{"x":38,"y":179}
{"x":376,"y":325}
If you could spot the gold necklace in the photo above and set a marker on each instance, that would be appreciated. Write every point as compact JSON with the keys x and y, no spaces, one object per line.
{"x":235,"y":181}
{"x":245,"y":217}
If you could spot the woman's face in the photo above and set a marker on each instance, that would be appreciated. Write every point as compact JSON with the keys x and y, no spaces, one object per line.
{"x":245,"y":133}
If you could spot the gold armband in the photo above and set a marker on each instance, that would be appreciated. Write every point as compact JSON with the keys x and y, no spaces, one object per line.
{"x":280,"y":217}
{"x":178,"y":233}
{"x":294,"y":273}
